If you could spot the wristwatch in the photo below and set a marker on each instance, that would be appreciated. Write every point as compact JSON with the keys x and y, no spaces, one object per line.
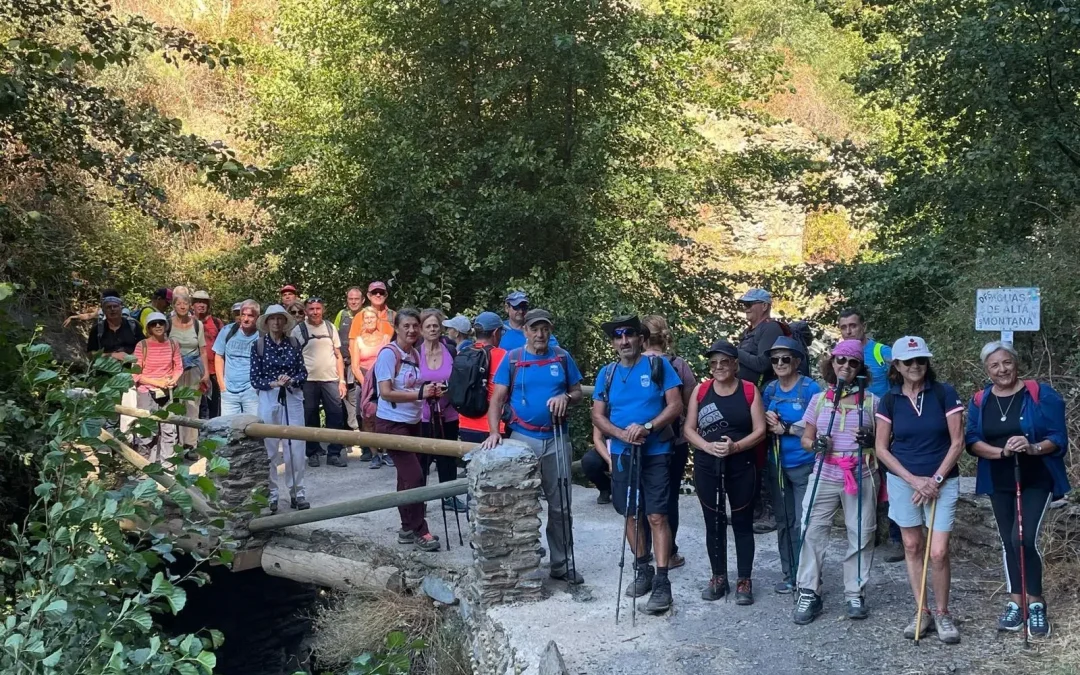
{"x":938,"y":478}
{"x":648,"y":427}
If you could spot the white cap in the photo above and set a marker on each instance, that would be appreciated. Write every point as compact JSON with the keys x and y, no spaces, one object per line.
{"x":909,"y":347}
{"x":460,"y":323}
{"x":156,"y":316}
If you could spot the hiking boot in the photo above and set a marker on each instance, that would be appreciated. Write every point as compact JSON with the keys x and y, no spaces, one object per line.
{"x":660,"y":600}
{"x":336,"y":460}
{"x":643,"y":582}
{"x":744,"y":591}
{"x":927,"y":624}
{"x":1038,"y":624}
{"x":717,"y":588}
{"x":387,"y":460}
{"x":190,"y":454}
{"x":365,"y":455}
{"x":299,"y":504}
{"x":376,"y":462}
{"x":313,"y":461}
{"x":273,"y":506}
{"x":765,"y":525}
{"x":454,"y":504}
{"x":807,"y":608}
{"x":783,"y":587}
{"x":604,"y":498}
{"x":856,"y":609}
{"x":677,"y":560}
{"x":427,"y":543}
{"x":894,"y":552}
{"x":946,"y":629}
{"x":571,"y":577}
{"x":1011,"y":619}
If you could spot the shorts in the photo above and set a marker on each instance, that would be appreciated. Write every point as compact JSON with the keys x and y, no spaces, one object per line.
{"x":654,"y":485}
{"x":906,"y":514}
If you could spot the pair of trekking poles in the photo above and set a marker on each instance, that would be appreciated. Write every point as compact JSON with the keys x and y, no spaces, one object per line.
{"x":439,"y":431}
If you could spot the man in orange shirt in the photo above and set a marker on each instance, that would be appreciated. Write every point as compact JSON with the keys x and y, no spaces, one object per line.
{"x":488,"y":328}
{"x":376,"y":294}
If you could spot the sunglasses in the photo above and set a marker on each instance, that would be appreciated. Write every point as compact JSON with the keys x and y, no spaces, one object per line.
{"x":780,"y":359}
{"x":748,"y":305}
{"x":522,"y":307}
{"x":720,"y":363}
{"x":847,"y":360}
{"x":920,"y":360}
{"x":297,"y":312}
{"x":625,"y":332}
{"x":313,"y":300}
{"x":377,"y":291}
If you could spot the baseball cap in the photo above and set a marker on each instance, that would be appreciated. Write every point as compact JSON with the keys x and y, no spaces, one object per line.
{"x":790,"y":344}
{"x":722,"y":347}
{"x":376,"y":285}
{"x":200,"y":295}
{"x":515,"y":298}
{"x":756,"y":295}
{"x":288,"y":287}
{"x":460,"y":323}
{"x":909,"y":347}
{"x":156,"y":316}
{"x":237,"y":306}
{"x":537,"y":316}
{"x":164,"y":293}
{"x":488,"y":321}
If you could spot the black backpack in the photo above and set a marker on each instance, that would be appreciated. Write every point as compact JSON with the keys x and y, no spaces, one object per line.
{"x":468,"y":383}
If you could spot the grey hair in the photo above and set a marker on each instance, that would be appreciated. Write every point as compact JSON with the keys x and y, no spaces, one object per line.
{"x":251,"y":303}
{"x":996,"y":346}
{"x":182,"y":296}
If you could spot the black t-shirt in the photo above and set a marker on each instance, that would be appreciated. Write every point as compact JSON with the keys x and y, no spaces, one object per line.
{"x":122,"y":339}
{"x":997,"y":431}
{"x":720,"y":416}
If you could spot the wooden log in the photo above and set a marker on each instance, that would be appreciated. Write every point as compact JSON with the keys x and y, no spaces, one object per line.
{"x":366,"y":505}
{"x":171,"y":419}
{"x":428,"y":446}
{"x":323,"y":569}
{"x":164,"y":480}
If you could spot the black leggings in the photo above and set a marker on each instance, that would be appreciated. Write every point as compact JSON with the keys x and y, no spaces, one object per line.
{"x":446,"y":466}
{"x":1035,"y":502}
{"x":740,"y":485}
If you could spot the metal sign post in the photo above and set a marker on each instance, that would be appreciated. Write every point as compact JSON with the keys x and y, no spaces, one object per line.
{"x":1007,"y":310}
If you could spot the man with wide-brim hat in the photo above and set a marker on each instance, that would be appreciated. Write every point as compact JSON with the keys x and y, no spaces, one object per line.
{"x":232,"y":362}
{"x":635,"y":402}
{"x":278,"y":374}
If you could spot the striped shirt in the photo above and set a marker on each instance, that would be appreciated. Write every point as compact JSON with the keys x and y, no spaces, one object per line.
{"x":158,"y":360}
{"x":844,"y":427}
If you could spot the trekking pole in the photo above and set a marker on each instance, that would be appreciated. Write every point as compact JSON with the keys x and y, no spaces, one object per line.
{"x":564,"y":498}
{"x":626,"y":526}
{"x":837,"y":395}
{"x":436,"y":418}
{"x":1020,"y":532}
{"x":638,"y":537}
{"x":925,"y":567}
{"x":860,"y":399}
{"x":454,"y":500}
{"x":787,"y":511}
{"x":283,"y":401}
{"x":721,"y":513}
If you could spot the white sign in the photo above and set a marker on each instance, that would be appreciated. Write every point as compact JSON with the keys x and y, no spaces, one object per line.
{"x":1007,"y":309}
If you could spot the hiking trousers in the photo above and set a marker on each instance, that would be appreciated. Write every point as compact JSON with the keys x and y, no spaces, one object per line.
{"x":407,"y":465}
{"x":830,"y":497}
{"x":162,"y":444}
{"x":787,"y":506}
{"x":553,"y":462}
{"x":272,"y":412}
{"x":327,"y":394}
{"x":1036,"y":502}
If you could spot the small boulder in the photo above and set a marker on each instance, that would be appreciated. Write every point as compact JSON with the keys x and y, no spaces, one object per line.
{"x":551,"y":661}
{"x":438,"y":590}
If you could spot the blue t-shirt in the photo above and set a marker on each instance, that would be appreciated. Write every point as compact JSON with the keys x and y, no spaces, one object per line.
{"x":920,"y":442}
{"x":635,"y":399}
{"x":533,"y":386}
{"x":237,"y":357}
{"x":879,"y":381}
{"x":790,"y":406}
{"x":514,"y":338}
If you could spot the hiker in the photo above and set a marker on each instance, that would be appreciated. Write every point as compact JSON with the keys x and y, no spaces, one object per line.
{"x":235,"y":312}
{"x":210,"y":406}
{"x":438,"y":419}
{"x":479,"y":361}
{"x":232,"y":359}
{"x":354,"y":300}
{"x":920,"y":436}
{"x":517,"y":306}
{"x":325,"y":382}
{"x":844,"y":476}
{"x":288,"y":295}
{"x":786,"y":400}
{"x":658,"y":344}
{"x":457,"y":330}
{"x":401,"y":397}
{"x":189,"y":334}
{"x":116,"y":335}
{"x":539,"y":420}
{"x":724,"y":423}
{"x":296,"y":311}
{"x":160,"y":366}
{"x":278,"y":373}
{"x":99,"y":313}
{"x":160,"y":302}
{"x":636,"y":401}
{"x":596,"y":465}
{"x":364,"y":349}
{"x":1016,"y":424}
{"x":377,"y":295}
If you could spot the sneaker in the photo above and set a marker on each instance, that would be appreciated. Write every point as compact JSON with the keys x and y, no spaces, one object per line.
{"x":643,"y":582}
{"x":946,"y":629}
{"x":783,"y":587}
{"x":190,"y":455}
{"x":1011,"y":619}
{"x":807,"y":608}
{"x":453,"y":504}
{"x":336,"y":460}
{"x":1038,"y":624}
{"x":856,"y":609}
{"x":927,"y":624}
{"x":717,"y":588}
{"x":365,"y":455}
{"x":765,"y":525}
{"x":677,"y":560}
{"x":894,"y":552}
{"x":427,"y":543}
{"x":376,"y":462}
{"x":313,"y":461}
{"x":273,"y":506}
{"x":571,"y":577}
{"x":604,"y":498}
{"x":299,"y":504}
{"x":744,"y":591}
{"x":387,"y":460}
{"x":660,"y":600}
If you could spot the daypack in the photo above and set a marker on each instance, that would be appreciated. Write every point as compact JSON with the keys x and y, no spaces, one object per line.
{"x":306,"y":337}
{"x":369,"y":392}
{"x":748,"y":390}
{"x":772,"y":390}
{"x":656,"y":374}
{"x":1032,"y":389}
{"x":132,"y":324}
{"x":234,"y":328}
{"x":515,"y":357}
{"x":468,"y":383}
{"x":260,"y":343}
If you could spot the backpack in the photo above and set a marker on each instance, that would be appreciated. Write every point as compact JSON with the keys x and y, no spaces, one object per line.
{"x":369,"y":392}
{"x":260,"y":343}
{"x":234,"y":328}
{"x":748,"y":390}
{"x":307,"y":337}
{"x":656,"y":374}
{"x":468,"y":383}
{"x":516,"y":361}
{"x":1032,"y":389}
{"x":132,"y":324}
{"x":772,"y":390}
{"x":878,"y":354}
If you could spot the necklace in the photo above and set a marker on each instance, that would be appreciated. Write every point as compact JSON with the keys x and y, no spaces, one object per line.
{"x":628,"y":370}
{"x":1005,"y":413}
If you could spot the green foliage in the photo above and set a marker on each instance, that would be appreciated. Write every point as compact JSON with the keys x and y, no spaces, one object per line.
{"x":395,"y":659}
{"x":828,"y":237}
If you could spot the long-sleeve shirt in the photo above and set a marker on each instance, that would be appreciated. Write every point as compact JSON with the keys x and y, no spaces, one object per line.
{"x":157,"y":361}
{"x":753,"y":347}
{"x":278,"y":358}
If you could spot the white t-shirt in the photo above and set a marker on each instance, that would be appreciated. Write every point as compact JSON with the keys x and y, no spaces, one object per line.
{"x":321,"y":350}
{"x":408,"y":379}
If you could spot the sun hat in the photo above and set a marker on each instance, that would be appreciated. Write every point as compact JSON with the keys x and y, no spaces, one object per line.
{"x":488,"y":321}
{"x":790,"y":344}
{"x":156,"y":317}
{"x":626,"y":321}
{"x":722,"y":347}
{"x":515,"y":298}
{"x":909,"y":347}
{"x":272,"y":310}
{"x":534,"y":316}
{"x":200,"y":295}
{"x":852,"y":349}
{"x":756,"y":295}
{"x":460,"y":323}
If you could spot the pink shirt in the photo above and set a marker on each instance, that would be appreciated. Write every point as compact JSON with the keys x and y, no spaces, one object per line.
{"x":441,"y":374}
{"x":158,"y":360}
{"x":818,"y":412}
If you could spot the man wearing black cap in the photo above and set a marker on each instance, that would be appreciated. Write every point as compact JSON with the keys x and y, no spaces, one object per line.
{"x":635,"y":403}
{"x":160,"y":301}
{"x":540,"y":383}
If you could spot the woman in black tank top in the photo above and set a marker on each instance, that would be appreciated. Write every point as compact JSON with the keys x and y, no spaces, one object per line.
{"x":725,"y":422}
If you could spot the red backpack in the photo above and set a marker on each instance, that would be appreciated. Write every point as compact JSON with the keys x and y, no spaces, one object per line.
{"x":749,"y":391}
{"x":1031,"y":385}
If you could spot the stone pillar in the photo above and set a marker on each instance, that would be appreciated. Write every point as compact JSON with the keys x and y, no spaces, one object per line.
{"x":504,"y":484}
{"x":249,"y":467}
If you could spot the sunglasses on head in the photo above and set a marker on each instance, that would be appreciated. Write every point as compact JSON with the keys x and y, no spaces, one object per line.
{"x":313,"y":300}
{"x":625,"y":332}
{"x":920,"y":360}
{"x":780,"y":359}
{"x":377,"y":291}
{"x":847,"y":360}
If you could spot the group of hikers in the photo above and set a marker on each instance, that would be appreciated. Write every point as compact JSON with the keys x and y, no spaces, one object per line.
{"x":875,"y":425}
